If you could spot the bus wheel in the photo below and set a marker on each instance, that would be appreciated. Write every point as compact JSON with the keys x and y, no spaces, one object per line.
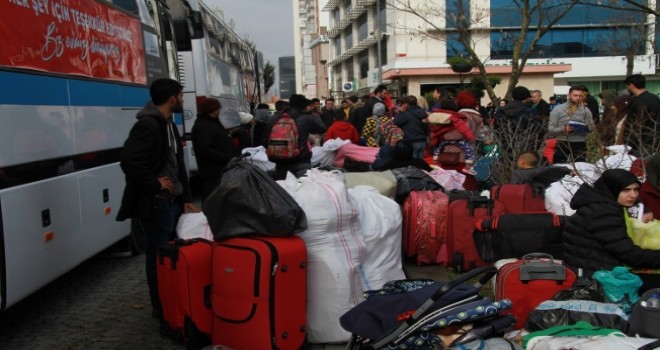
{"x":136,"y":239}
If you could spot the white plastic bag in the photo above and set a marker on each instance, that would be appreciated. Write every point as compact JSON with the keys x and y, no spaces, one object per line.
{"x":259,"y":158}
{"x":193,"y":225}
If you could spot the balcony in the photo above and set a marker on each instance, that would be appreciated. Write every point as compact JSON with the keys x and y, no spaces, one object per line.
{"x":339,"y":26}
{"x":365,"y":2}
{"x":331,"y":5}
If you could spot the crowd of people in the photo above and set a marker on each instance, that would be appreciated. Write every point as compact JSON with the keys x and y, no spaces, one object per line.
{"x":408,"y":131}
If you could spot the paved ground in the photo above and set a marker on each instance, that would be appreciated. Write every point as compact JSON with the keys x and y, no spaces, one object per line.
{"x":102,"y":304}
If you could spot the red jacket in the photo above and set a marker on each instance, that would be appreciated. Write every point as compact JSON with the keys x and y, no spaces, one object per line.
{"x":344,"y":130}
{"x":651,"y":198}
{"x":457,"y":122}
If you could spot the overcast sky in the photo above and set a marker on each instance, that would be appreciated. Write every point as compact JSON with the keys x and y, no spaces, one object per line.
{"x":268,"y":23}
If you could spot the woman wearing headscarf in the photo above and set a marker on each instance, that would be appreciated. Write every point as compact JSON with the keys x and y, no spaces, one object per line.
{"x":596,"y":236}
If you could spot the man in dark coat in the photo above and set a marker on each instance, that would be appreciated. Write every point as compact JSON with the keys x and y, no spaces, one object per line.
{"x":212,"y":145}
{"x":157,"y":188}
{"x":642,"y":126}
{"x":411,"y":123}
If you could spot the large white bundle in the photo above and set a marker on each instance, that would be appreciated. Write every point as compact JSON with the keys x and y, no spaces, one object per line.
{"x":558,"y":196}
{"x":618,"y":158}
{"x":380,"y":220}
{"x":322,"y":157}
{"x":334,"y":251}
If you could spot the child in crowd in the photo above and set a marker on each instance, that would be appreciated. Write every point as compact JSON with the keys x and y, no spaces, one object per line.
{"x":528,"y":169}
{"x":342,"y":129}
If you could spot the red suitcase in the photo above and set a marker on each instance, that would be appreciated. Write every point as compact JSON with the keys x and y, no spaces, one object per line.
{"x":425,"y":226}
{"x":518,"y":198}
{"x":184,"y":276}
{"x":259,"y":294}
{"x":529,"y":281}
{"x":462,"y":216}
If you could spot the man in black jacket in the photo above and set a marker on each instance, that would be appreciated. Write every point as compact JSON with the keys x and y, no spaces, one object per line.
{"x":157,"y":188}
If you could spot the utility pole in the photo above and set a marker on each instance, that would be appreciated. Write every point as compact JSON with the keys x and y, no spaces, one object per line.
{"x":378,"y":37}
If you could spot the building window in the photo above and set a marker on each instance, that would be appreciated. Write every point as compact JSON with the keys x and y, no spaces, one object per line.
{"x":348,"y":41}
{"x":565,"y":43}
{"x":383,"y":51}
{"x":363,"y":61}
{"x":454,"y":47}
{"x":363,"y":27}
{"x":349,"y":69}
{"x":348,"y":6}
{"x":380,"y":18}
{"x":339,"y":79}
{"x":337,"y":46}
{"x":458,"y":11}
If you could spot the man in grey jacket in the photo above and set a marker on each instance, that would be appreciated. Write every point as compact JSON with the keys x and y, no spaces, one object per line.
{"x":571,"y":121}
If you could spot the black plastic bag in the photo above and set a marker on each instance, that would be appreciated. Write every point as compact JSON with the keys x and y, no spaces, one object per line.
{"x":413,"y":179}
{"x":249,"y":202}
{"x":582,"y":289}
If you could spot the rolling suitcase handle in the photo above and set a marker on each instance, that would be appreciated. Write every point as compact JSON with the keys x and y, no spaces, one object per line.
{"x":481,"y":201}
{"x":533,"y":268}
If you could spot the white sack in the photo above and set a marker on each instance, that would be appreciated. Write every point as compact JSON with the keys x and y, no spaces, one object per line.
{"x":380,"y":221}
{"x":383,"y":181}
{"x":322,"y":157}
{"x":334,"y":251}
{"x":259,"y":157}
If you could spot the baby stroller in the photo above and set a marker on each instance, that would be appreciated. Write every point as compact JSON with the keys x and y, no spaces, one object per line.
{"x":406,"y":314}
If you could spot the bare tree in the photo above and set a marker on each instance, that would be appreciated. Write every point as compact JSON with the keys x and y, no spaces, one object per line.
{"x":628,"y":38}
{"x":536,"y":19}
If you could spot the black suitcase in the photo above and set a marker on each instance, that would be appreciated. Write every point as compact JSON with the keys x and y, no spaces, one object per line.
{"x":514,"y":235}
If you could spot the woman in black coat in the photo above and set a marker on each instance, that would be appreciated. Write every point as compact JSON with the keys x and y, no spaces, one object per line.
{"x":596,"y":236}
{"x":212,"y":145}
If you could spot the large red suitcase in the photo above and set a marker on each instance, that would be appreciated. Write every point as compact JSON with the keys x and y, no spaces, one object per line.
{"x":529,"y":281}
{"x":259,"y":295}
{"x":518,"y":198}
{"x":184,"y":276}
{"x":462,"y":216}
{"x":425,"y":226}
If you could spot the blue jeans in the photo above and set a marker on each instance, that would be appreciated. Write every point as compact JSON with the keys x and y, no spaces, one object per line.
{"x":418,"y":149}
{"x":159,"y":228}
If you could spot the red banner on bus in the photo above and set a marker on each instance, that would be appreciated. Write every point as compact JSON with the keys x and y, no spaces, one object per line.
{"x":80,"y":37}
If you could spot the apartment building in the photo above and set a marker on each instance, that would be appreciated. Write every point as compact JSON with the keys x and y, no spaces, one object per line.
{"x":583,"y":48}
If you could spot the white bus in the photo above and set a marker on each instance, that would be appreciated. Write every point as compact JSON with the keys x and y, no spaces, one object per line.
{"x":213,"y":62}
{"x":73,"y":74}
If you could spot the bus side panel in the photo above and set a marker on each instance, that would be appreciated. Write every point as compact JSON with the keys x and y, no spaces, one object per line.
{"x":42,"y":234}
{"x":101,"y":191}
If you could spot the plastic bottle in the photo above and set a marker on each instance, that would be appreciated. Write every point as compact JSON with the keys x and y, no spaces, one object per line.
{"x":653,"y":301}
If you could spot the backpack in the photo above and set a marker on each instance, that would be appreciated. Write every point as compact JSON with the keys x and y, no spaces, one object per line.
{"x":283,"y":139}
{"x":389,"y":133}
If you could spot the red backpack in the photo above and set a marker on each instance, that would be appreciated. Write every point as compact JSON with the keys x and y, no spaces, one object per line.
{"x":283,"y":139}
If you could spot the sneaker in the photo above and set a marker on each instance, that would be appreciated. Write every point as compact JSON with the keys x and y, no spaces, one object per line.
{"x":468,"y":171}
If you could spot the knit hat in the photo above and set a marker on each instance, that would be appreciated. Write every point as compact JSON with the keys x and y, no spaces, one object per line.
{"x":622,"y":102}
{"x":379,"y":109}
{"x":208,"y":105}
{"x":520,"y":93}
{"x":466,"y":99}
{"x":245,"y":117}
